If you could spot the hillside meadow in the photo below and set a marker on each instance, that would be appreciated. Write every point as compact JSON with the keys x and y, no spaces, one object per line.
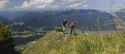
{"x":84,"y":43}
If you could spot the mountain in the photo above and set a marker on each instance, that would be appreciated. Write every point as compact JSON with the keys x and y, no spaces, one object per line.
{"x":121,"y":10}
{"x":121,"y":14}
{"x":5,"y":20}
{"x":12,"y":13}
{"x":89,"y":19}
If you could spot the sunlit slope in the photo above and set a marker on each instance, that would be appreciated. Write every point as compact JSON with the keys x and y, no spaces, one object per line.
{"x":58,"y":43}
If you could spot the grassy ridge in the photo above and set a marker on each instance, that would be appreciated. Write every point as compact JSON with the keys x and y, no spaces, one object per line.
{"x":58,"y":43}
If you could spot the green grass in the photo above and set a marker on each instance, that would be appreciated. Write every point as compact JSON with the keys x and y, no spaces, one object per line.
{"x":58,"y":43}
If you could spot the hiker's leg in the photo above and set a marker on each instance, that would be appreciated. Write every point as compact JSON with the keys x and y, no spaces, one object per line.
{"x":66,"y":30}
{"x":63,"y":29}
{"x":74,"y":32}
{"x":71,"y":31}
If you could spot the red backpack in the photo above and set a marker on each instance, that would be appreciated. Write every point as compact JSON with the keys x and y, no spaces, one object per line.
{"x":72,"y":25}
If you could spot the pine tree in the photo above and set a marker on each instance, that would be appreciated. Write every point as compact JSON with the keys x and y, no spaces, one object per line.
{"x":6,"y":40}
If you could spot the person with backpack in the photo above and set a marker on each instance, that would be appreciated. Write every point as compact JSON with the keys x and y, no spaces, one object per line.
{"x":64,"y":24}
{"x":72,"y":28}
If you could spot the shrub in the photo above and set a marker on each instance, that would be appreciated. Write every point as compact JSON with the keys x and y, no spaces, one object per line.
{"x":6,"y":40}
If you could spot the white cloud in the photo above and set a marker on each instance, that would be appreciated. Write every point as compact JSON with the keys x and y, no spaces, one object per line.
{"x":52,"y":4}
{"x":79,"y":4}
{"x":25,"y":4}
{"x":3,"y":3}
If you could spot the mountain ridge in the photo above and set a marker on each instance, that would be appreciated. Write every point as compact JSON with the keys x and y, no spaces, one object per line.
{"x":36,"y":19}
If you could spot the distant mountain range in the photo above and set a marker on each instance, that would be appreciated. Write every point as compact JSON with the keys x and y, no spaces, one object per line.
{"x":88,"y":19}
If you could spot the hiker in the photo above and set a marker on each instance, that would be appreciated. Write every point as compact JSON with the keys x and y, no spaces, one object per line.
{"x":72,"y":28}
{"x":64,"y":24}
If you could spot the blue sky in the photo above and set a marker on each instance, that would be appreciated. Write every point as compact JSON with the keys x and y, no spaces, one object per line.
{"x":102,"y":5}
